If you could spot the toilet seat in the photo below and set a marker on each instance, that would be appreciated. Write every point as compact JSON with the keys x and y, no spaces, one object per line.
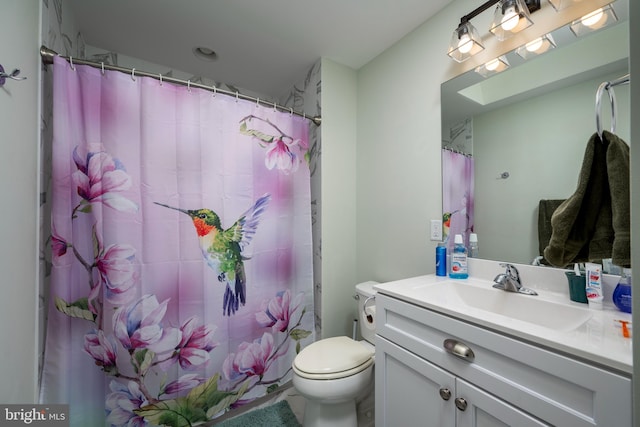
{"x":332,"y":358}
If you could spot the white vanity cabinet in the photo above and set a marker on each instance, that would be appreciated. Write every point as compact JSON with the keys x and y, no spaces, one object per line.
{"x":495,"y":380}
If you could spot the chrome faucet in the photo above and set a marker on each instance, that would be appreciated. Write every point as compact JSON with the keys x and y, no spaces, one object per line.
{"x":510,"y":281}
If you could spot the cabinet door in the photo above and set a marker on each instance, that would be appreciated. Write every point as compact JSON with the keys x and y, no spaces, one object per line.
{"x":477,"y":408}
{"x":408,"y":390}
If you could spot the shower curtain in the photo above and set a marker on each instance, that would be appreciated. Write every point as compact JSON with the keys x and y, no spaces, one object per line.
{"x":182,"y":262}
{"x":457,"y":197}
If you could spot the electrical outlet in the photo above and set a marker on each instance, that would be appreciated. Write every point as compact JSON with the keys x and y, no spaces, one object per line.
{"x":436,"y":230}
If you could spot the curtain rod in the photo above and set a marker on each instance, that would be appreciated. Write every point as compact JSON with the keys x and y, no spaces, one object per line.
{"x":47,"y":56}
{"x":453,"y":150}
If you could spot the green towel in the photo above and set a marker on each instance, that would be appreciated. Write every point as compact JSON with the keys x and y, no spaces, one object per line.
{"x":276,"y":415}
{"x":594,"y":222}
{"x":619,"y":179}
{"x":546,"y":208}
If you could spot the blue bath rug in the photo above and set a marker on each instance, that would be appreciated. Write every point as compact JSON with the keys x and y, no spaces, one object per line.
{"x":276,"y":415}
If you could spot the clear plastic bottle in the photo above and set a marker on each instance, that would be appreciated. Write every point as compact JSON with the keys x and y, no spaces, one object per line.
{"x":459,"y":260}
{"x":622,"y":293}
{"x":473,"y":246}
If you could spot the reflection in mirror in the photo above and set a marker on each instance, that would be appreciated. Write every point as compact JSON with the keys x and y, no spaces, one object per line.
{"x":526,"y":130}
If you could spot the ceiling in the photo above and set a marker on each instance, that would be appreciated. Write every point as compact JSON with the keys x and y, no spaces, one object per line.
{"x":262,"y":46}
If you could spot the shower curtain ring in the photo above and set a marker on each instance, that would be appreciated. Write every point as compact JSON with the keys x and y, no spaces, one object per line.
{"x":236,"y":96}
{"x":71,"y":63}
{"x":133,"y":76}
{"x":215,"y":90}
{"x":189,"y":85}
{"x":274,"y":107}
{"x":102,"y":68}
{"x":290,"y":111}
{"x":257,"y":102}
{"x":160,"y":74}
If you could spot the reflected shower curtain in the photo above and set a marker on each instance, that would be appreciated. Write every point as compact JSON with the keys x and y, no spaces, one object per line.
{"x":182,"y":261}
{"x":457,"y":197}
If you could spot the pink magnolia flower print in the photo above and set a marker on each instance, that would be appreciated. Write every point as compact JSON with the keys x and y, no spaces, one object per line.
{"x":118,"y":272}
{"x":184,"y":383}
{"x":283,"y":152}
{"x":195,"y":345}
{"x":122,"y":402}
{"x":100,"y":178}
{"x":251,"y":359}
{"x":58,"y":245}
{"x":280,"y":156}
{"x":102,"y":349}
{"x":139,"y":326}
{"x":277,"y":311}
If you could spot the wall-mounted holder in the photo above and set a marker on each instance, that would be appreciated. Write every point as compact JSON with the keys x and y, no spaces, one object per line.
{"x":13,"y":75}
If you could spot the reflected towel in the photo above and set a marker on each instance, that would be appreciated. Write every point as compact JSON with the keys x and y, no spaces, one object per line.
{"x":619,"y":179}
{"x":546,"y":208}
{"x":584,"y":227}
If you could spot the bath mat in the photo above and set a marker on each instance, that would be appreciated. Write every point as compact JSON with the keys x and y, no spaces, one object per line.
{"x":276,"y":415}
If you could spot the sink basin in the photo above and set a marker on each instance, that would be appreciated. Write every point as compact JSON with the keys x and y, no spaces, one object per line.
{"x":462,"y":296}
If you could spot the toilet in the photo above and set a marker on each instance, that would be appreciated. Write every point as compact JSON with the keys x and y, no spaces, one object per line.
{"x":333,"y":372}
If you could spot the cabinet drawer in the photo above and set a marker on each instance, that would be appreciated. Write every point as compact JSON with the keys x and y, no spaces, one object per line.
{"x":552,"y":386}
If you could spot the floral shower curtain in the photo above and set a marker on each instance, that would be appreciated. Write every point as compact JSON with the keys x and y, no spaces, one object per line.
{"x":182,"y":261}
{"x":457,"y":196}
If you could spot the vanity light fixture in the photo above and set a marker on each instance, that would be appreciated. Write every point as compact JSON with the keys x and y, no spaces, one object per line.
{"x":465,"y":42}
{"x":558,"y":5}
{"x":594,"y":21}
{"x":514,"y":16}
{"x":510,"y":17}
{"x":492,"y":67}
{"x":536,"y":47}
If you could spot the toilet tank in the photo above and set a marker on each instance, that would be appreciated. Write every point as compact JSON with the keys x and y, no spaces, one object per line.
{"x":366,"y":314}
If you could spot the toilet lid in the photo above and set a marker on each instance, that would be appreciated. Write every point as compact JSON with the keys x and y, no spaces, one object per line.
{"x":330,"y":357}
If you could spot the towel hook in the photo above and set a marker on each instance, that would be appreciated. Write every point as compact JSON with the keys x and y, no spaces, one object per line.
{"x":612,"y":100}
{"x":12,"y":75}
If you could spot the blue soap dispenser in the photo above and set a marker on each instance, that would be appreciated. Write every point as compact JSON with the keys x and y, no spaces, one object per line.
{"x":622,"y":293}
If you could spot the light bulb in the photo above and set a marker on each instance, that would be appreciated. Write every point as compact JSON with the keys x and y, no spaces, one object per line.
{"x":492,"y":65}
{"x":465,"y":44}
{"x":592,"y":19}
{"x":510,"y":19}
{"x":534,"y":45}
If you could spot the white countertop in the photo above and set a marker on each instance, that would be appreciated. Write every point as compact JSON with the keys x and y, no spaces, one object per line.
{"x":599,"y":339}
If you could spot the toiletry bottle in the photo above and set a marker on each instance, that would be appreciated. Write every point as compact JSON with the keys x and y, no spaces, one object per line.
{"x":622,"y":293}
{"x":594,"y":285}
{"x":473,"y":245}
{"x":441,"y":259}
{"x":459,"y":260}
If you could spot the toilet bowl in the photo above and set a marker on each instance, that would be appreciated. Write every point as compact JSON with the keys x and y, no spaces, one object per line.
{"x":333,"y":372}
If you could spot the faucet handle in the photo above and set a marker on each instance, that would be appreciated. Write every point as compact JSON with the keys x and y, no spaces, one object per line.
{"x":512,"y":271}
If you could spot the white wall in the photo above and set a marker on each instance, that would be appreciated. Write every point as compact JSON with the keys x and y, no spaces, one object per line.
{"x":339,"y":105}
{"x":398,"y":164}
{"x":19,"y":130}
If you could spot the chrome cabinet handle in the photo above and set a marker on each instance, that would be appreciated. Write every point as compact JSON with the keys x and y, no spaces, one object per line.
{"x":459,"y":349}
{"x":445,"y":393}
{"x":461,"y":403}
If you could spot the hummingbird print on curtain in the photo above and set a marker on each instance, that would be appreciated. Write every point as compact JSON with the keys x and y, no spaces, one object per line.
{"x":222,"y":249}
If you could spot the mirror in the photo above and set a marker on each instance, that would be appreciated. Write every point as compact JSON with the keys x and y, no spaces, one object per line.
{"x":527,"y":129}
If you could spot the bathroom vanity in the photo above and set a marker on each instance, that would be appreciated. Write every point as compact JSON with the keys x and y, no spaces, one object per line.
{"x":461,"y":353}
